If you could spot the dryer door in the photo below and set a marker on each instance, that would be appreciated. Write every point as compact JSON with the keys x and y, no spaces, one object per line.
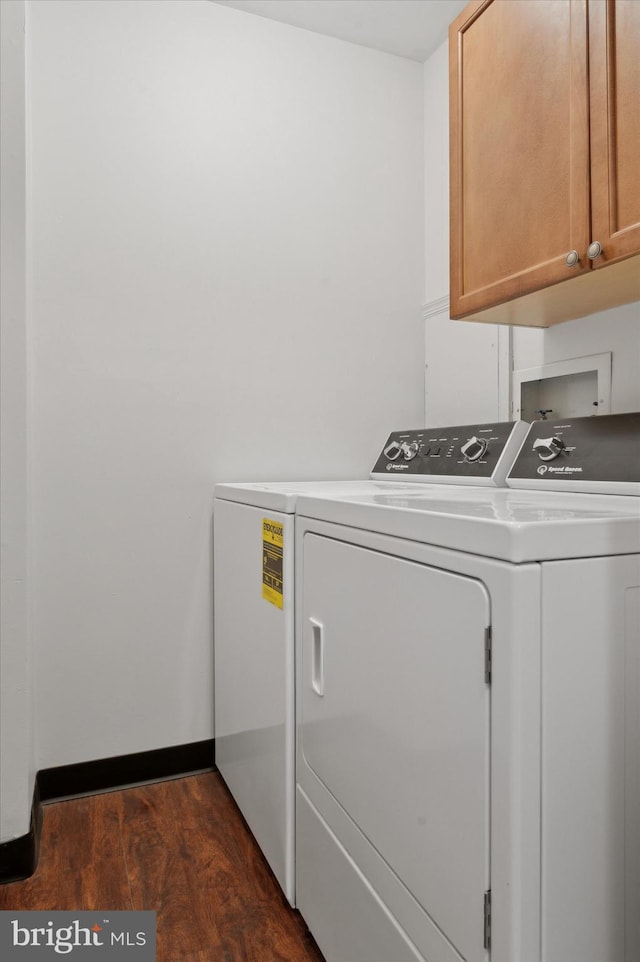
{"x":395,"y":717}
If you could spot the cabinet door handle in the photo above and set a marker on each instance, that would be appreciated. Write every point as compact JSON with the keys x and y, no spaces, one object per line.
{"x":317,"y":657}
{"x":572,"y":259}
{"x":594,"y":250}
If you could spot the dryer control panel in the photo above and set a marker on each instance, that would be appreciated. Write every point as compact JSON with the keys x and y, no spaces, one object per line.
{"x":594,"y":455}
{"x":478,"y":454}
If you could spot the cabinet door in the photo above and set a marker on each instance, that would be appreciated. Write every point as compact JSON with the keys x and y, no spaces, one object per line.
{"x":614,"y":66}
{"x":519,"y":148}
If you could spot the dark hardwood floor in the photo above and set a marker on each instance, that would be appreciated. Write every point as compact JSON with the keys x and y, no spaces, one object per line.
{"x":180,"y":848}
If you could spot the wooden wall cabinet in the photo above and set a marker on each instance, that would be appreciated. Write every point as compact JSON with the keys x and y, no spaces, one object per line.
{"x":544,"y":159}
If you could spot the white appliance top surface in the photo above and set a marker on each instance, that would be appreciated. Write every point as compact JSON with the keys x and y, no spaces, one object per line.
{"x":283,"y":495}
{"x":512,"y":525}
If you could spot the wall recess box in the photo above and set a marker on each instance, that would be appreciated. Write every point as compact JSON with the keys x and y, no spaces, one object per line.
{"x":577,"y":387}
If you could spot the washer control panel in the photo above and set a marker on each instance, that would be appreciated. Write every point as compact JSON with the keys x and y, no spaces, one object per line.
{"x":593,"y":454}
{"x":464,"y":454}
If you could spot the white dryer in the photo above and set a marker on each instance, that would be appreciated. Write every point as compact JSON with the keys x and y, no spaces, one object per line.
{"x":468,"y":711}
{"x":254,"y":617}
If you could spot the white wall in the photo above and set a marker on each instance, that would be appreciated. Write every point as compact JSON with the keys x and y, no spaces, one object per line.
{"x":16,"y":764}
{"x":474,"y":356}
{"x":469,"y":356}
{"x":228,"y":265}
{"x":436,"y":165}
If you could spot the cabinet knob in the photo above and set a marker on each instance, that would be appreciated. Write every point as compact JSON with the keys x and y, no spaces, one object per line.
{"x":594,"y":250}
{"x":572,"y":259}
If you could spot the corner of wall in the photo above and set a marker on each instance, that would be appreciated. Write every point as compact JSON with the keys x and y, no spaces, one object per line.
{"x":17,"y":769}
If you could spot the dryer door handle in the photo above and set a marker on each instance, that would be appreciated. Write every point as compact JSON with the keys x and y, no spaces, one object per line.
{"x":317,"y":656}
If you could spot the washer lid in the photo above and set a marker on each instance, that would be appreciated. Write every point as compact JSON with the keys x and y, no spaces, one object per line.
{"x":511,"y":525}
{"x":283,"y":495}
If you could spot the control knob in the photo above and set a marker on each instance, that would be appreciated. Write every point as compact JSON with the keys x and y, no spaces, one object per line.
{"x":548,"y":448}
{"x":409,"y":451}
{"x":474,"y":448}
{"x":393,"y":451}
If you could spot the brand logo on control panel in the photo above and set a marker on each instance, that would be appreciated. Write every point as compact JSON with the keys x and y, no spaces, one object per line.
{"x":565,"y":469}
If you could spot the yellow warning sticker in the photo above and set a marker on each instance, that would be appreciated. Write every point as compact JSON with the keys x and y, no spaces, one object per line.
{"x":272,"y":555}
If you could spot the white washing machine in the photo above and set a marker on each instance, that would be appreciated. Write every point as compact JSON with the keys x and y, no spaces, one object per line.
{"x":254,"y":617}
{"x":468,"y":711}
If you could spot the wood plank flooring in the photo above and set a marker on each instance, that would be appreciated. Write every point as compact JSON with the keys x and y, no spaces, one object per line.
{"x":180,"y":848}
